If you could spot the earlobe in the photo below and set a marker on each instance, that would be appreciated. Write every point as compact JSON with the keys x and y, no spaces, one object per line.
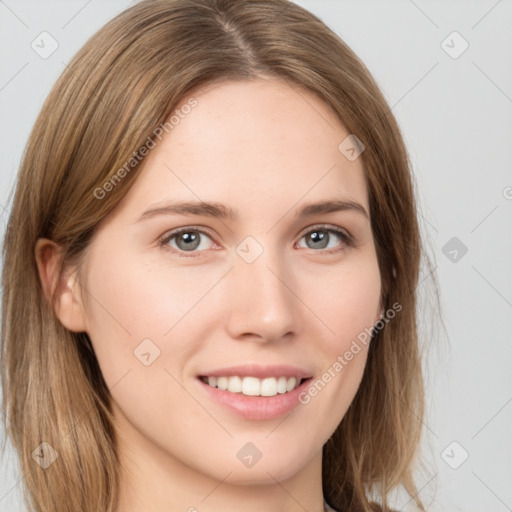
{"x":68,"y":305}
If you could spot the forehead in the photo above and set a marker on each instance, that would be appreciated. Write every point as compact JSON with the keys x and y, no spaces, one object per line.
{"x":260,"y":145}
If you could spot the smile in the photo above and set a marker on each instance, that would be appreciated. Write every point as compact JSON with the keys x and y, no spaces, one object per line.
{"x":253,"y":386}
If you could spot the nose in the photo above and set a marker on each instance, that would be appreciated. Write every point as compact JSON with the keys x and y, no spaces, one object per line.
{"x":264,"y":304}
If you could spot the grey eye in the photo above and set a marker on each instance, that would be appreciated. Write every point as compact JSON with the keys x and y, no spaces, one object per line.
{"x":186,"y":240}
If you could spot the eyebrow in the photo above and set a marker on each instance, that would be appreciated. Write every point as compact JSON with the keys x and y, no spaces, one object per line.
{"x":221,"y":211}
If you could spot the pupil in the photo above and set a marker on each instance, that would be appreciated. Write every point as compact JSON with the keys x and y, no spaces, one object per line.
{"x":189,"y":240}
{"x":318,"y":237}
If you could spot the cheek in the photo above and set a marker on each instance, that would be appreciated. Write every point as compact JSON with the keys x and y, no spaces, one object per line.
{"x":142,"y":332}
{"x":348,"y":302}
{"x":124,"y":309}
{"x":139,"y":307}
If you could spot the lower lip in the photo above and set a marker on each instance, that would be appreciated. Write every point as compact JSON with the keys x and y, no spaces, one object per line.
{"x":257,"y":407}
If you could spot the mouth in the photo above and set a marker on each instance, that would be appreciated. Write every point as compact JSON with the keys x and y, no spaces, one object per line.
{"x":254,"y":386}
{"x":254,"y":392}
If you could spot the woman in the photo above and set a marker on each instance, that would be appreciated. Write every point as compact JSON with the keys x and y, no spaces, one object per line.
{"x":210,"y":272}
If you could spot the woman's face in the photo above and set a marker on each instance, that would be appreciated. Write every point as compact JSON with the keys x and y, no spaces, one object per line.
{"x":250,"y":289}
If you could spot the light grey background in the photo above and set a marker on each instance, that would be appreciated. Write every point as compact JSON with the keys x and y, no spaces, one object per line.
{"x":456,"y":117}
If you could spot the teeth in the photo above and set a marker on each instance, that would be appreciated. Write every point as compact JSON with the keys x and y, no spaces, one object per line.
{"x":252,"y":386}
{"x":222,"y":383}
{"x":235,"y":385}
{"x":290,"y":383}
{"x":281,"y":384}
{"x":269,"y":387}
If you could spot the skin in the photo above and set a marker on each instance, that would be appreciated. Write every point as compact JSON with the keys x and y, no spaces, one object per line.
{"x":265,"y":149}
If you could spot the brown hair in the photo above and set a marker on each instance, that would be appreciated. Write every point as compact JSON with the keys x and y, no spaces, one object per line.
{"x":122,"y":85}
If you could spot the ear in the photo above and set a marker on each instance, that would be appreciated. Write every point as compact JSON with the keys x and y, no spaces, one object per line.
{"x":68,"y":305}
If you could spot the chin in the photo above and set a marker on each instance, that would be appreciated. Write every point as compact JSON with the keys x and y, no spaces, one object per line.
{"x":276,"y":463}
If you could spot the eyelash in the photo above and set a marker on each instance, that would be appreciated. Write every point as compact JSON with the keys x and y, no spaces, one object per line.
{"x":163,"y":241}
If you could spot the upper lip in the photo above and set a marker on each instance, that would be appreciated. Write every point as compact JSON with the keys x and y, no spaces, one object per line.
{"x":259,"y":371}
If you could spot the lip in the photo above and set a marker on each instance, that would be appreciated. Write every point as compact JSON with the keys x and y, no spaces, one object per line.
{"x":256,"y":407}
{"x":259,"y":371}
